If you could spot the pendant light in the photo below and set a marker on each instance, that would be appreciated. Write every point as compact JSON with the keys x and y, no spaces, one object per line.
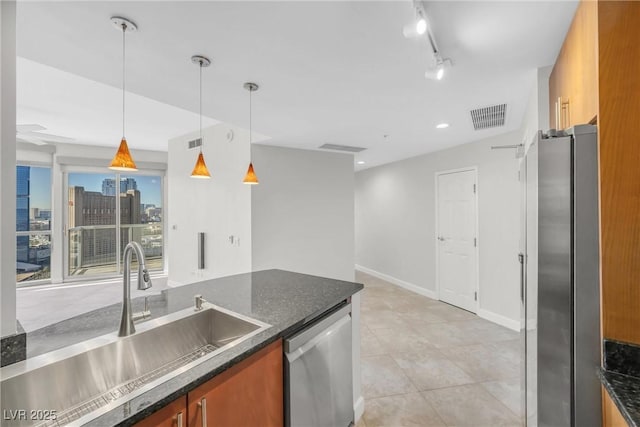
{"x":123,"y":161}
{"x":200,"y":169}
{"x":250,"y":178}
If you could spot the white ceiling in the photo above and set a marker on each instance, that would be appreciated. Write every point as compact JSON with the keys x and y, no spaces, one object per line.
{"x":330,"y":72}
{"x":91,"y":112}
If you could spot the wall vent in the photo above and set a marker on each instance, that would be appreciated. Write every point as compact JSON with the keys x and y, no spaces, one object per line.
{"x":488,"y":117}
{"x":195,"y":143}
{"x":346,"y":148}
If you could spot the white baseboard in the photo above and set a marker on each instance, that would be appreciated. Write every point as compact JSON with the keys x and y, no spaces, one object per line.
{"x":358,"y":409}
{"x":499,"y":319}
{"x":409,"y":286}
{"x":485,"y":314}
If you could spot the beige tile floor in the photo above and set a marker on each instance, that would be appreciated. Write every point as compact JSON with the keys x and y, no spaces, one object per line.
{"x":427,"y":363}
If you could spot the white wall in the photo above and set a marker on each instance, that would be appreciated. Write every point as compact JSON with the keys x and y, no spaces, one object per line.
{"x":395,"y":221}
{"x":219,"y":207}
{"x":303,"y":212}
{"x":536,"y":116}
{"x":543,"y":96}
{"x":7,"y":167}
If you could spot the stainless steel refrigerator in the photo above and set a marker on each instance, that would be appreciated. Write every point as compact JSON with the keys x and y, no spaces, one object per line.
{"x":559,"y":281}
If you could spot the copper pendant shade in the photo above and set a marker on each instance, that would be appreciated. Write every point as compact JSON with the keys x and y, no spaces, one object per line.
{"x":200,"y":170}
{"x":123,"y":161}
{"x":250,"y":178}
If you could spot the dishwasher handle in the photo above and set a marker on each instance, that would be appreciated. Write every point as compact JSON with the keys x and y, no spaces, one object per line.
{"x":303,"y":337}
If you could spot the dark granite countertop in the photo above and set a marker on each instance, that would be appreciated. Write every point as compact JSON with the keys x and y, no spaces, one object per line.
{"x":280,"y":298}
{"x":625,"y":393}
{"x":621,"y":378}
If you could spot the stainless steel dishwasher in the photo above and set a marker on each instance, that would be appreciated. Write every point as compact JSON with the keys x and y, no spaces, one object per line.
{"x":318,"y":369}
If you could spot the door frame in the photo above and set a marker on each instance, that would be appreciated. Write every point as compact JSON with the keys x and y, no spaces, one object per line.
{"x":437,"y":174}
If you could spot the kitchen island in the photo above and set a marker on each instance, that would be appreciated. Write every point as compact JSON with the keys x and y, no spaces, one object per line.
{"x":281,"y":299}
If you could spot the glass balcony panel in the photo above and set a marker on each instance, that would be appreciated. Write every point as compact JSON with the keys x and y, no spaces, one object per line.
{"x":33,"y":256}
{"x":92,"y":249}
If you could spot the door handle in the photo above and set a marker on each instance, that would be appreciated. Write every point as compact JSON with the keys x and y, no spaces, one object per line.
{"x":203,"y":405}
{"x":179,"y":419}
{"x":441,"y":238}
{"x":521,"y":261}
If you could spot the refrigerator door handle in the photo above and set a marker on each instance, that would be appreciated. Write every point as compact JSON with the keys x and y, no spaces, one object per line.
{"x":521,"y":260}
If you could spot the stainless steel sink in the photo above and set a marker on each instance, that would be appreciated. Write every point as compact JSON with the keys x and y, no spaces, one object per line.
{"x":85,"y":380}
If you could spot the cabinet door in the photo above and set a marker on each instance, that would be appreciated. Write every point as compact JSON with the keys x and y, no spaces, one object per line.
{"x":573,"y":84}
{"x":610,"y":413}
{"x":247,"y":394}
{"x":555,"y":93}
{"x":583,"y":86}
{"x":172,"y":415}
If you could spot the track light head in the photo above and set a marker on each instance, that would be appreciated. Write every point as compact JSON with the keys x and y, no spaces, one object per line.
{"x":418,"y":27}
{"x":437,"y":71}
{"x":421,"y":26}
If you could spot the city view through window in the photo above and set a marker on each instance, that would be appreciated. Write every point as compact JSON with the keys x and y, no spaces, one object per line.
{"x":33,"y":223}
{"x":96,"y":240}
{"x":95,"y":204}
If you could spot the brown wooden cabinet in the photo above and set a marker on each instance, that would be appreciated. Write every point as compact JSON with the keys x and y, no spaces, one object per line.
{"x":172,"y":415}
{"x":611,"y":416}
{"x":247,"y":394}
{"x":573,"y":84}
{"x":619,"y":155}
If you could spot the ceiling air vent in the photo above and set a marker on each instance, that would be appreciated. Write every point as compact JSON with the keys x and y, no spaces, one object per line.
{"x":488,"y":117}
{"x":346,"y":148}
{"x":195,"y":143}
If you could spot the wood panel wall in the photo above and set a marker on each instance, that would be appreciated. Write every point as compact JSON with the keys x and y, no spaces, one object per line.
{"x":619,"y":151}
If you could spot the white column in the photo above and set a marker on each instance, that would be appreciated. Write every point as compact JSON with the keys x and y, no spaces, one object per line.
{"x":7,"y":167}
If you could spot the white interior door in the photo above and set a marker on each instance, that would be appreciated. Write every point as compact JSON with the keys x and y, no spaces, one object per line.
{"x":457,"y":238}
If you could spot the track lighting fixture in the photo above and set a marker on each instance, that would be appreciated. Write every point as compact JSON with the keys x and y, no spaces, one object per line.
{"x":420,"y":28}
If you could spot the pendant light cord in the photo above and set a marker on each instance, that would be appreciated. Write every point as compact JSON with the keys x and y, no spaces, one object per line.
{"x":124,"y":30}
{"x":201,"y":140}
{"x":250,"y":128}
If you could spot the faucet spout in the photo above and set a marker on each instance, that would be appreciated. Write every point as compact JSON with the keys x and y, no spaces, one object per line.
{"x":144,"y":282}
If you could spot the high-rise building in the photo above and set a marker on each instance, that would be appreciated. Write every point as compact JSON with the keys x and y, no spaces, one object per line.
{"x":126,"y":184}
{"x":89,"y":208}
{"x":23,"y":174}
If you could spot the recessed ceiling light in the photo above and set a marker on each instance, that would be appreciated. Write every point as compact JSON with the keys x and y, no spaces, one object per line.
{"x":360,"y":162}
{"x":442,"y":126}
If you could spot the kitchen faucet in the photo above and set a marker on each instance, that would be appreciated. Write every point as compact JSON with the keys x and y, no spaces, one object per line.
{"x":144,"y":282}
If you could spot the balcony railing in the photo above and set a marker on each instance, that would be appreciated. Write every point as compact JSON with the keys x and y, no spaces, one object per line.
{"x":93,"y":249}
{"x":33,"y":255}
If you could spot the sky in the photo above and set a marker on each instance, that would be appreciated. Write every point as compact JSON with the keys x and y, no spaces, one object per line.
{"x":149,"y":186}
{"x":40,"y":186}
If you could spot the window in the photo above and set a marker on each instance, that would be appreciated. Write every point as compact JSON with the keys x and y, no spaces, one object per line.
{"x":33,"y":223}
{"x":97,"y":236}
